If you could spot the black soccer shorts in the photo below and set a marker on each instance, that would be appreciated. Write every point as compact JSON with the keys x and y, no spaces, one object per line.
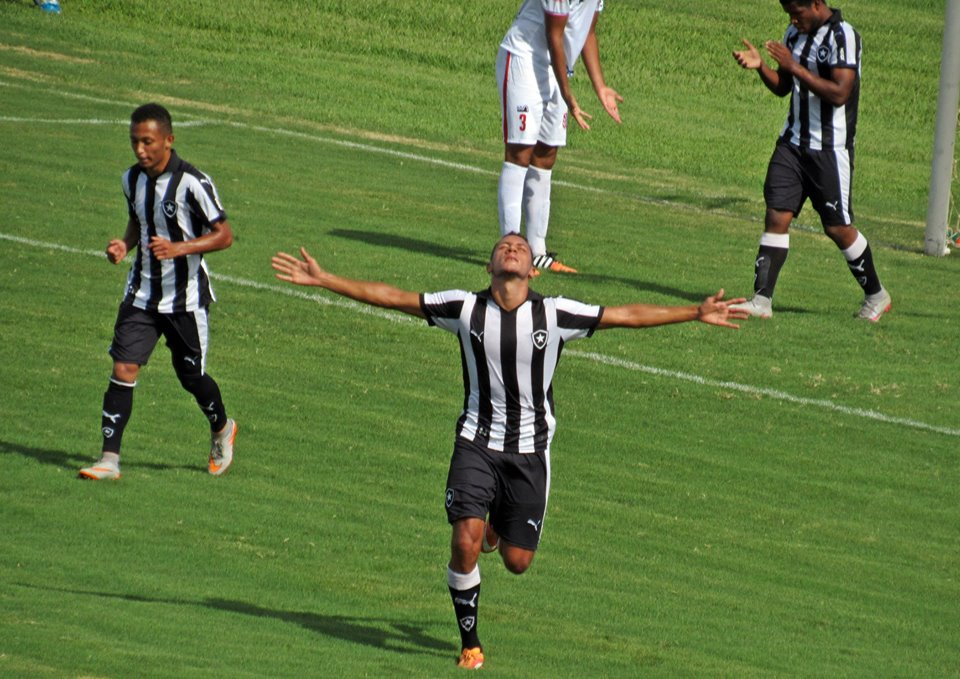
{"x":825,"y":177}
{"x":511,"y":487}
{"x":136,"y":333}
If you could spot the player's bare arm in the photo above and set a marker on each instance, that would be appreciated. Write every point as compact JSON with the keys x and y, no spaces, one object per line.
{"x":836,"y":89}
{"x":220,"y":237}
{"x":555,"y":26}
{"x":714,"y":310}
{"x":590,"y":54}
{"x":118,"y":248}
{"x":777,"y":81}
{"x":306,"y":271}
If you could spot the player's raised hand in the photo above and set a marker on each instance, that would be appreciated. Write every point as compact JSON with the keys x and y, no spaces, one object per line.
{"x":163,"y":248}
{"x":748,"y":58}
{"x":303,"y":271}
{"x":116,"y":250}
{"x":781,"y":54}
{"x":717,"y":311}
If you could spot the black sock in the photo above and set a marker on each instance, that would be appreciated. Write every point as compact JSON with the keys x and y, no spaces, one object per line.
{"x":117,"y":406}
{"x":466,"y":603}
{"x":207,"y":393}
{"x":866,"y":274}
{"x":767,"y":269}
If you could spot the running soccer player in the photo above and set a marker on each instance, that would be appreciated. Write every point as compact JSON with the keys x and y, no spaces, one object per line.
{"x":818,"y":65}
{"x":534,"y":65}
{"x":175,"y":216}
{"x":510,"y":342}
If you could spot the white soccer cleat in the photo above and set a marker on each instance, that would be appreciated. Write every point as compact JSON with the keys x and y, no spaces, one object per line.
{"x":221,"y":449}
{"x":103,"y":469}
{"x":758,"y":306}
{"x":874,"y":306}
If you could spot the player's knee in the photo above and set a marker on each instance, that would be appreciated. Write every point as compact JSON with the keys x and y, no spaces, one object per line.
{"x":126,"y":372}
{"x":517,"y":562}
{"x":188,"y":371}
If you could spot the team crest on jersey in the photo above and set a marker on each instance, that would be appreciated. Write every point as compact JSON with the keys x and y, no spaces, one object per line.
{"x":822,"y":53}
{"x":169,"y":208}
{"x":540,"y":338}
{"x":449,"y":496}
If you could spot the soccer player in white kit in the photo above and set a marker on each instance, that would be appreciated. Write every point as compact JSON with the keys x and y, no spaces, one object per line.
{"x":534,"y":65}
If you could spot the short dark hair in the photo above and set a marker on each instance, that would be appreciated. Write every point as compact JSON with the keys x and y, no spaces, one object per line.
{"x":155,"y":112}
{"x":802,"y":3}
{"x":512,"y":233}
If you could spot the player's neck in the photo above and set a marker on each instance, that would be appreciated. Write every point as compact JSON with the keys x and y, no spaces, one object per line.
{"x":509,"y":292}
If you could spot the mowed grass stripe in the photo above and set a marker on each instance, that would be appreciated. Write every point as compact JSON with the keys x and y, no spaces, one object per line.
{"x":587,"y":355}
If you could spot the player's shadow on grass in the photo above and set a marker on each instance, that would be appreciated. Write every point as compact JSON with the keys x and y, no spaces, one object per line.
{"x":74,"y":462}
{"x":470,"y":257}
{"x":412,"y":245}
{"x":381,"y":633}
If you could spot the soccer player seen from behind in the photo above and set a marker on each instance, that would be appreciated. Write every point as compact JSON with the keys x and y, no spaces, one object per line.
{"x":534,"y":65}
{"x":175,"y":216}
{"x":818,"y":65}
{"x":510,"y":342}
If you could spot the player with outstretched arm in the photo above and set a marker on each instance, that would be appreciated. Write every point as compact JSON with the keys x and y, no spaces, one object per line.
{"x":510,"y":340}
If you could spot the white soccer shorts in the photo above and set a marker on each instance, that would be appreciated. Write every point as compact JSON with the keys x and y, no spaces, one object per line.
{"x":531,"y":107}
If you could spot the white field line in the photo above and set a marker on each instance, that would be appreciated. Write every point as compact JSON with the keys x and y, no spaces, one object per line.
{"x":396,"y":317}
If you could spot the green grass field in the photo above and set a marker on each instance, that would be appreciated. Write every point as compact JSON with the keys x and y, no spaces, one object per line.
{"x":779,"y":501}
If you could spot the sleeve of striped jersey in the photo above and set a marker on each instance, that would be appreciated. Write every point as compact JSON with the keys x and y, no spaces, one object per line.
{"x":577,"y":320}
{"x":128,"y":194}
{"x":442,"y":309}
{"x":205,"y":193}
{"x":557,"y":7}
{"x":844,"y":53}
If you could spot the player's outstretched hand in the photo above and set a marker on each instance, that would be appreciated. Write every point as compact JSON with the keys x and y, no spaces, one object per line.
{"x":580,"y":115}
{"x":717,"y":311}
{"x":609,"y":97}
{"x":303,"y":271}
{"x":748,"y":58}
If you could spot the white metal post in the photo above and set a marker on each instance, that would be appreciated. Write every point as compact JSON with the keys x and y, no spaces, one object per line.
{"x":935,"y":236}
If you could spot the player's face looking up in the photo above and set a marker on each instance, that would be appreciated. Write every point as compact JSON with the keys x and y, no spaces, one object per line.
{"x":151,"y":145}
{"x":512,"y":255}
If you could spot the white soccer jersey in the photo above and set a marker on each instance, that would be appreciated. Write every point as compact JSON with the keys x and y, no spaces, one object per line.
{"x":508,"y":362}
{"x":527,"y":35}
{"x":812,"y":122}
{"x":179,"y":205}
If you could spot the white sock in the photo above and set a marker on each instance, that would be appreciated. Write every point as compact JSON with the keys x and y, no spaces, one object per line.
{"x":462,"y":581}
{"x":854,"y":251}
{"x":510,"y":197}
{"x":775,"y":240}
{"x":536,"y":208}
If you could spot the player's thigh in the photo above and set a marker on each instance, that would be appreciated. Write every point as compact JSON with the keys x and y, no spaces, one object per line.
{"x":521,"y":502}
{"x":783,"y":187}
{"x":187,"y":335}
{"x":553,"y":123}
{"x":829,"y":179}
{"x":471,"y":482}
{"x":522,"y":98}
{"x":135,"y":334}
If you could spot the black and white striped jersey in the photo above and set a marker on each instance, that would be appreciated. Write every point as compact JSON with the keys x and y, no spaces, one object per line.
{"x":508,"y":362}
{"x":812,"y":122}
{"x":178,"y":205}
